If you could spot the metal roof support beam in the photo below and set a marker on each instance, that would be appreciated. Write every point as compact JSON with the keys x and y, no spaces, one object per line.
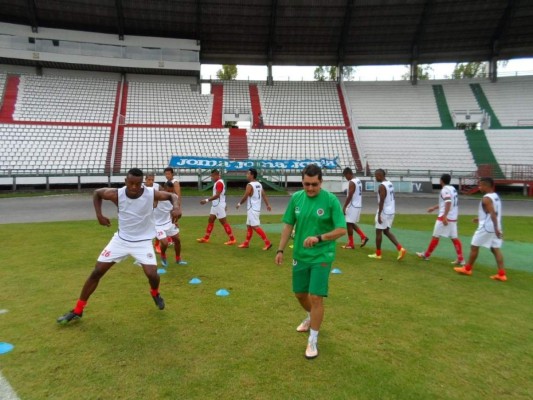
{"x":341,"y":48}
{"x":32,"y":16}
{"x":417,"y":39}
{"x":120,"y":19}
{"x":499,"y":32}
{"x":271,"y":39}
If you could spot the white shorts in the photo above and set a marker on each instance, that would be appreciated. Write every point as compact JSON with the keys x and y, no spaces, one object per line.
{"x":441,"y":230}
{"x":164,"y":231}
{"x":252,"y":218}
{"x":118,"y":249}
{"x":218,"y":211}
{"x":482,"y":238}
{"x":386,"y":221}
{"x":352,"y":215}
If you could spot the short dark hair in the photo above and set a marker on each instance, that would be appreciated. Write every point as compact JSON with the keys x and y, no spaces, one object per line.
{"x":379,"y":171}
{"x":170,"y":169}
{"x":253,"y":171}
{"x":347,"y":170}
{"x":135,"y":172}
{"x":215,"y":171}
{"x":488,"y":180}
{"x":446,"y":178}
{"x":312,"y":170}
{"x":169,"y":184}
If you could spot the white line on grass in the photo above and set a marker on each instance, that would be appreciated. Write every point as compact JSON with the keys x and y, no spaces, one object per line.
{"x":3,"y":311}
{"x":6,"y":391}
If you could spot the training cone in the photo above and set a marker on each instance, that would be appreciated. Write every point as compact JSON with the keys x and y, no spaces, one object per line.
{"x":222,"y":292}
{"x":336,"y":271}
{"x":161,"y":271}
{"x":5,"y":347}
{"x":195,"y":281}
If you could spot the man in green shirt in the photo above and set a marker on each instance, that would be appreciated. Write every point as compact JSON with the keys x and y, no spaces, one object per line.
{"x":319,"y":220}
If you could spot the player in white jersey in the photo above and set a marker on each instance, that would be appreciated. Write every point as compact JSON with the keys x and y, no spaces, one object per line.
{"x":218,"y":209}
{"x":385,"y":215}
{"x":166,"y":227}
{"x":489,"y":232}
{"x":252,"y":196}
{"x":169,"y":176}
{"x":352,"y":208}
{"x":446,"y":224}
{"x":136,"y":229}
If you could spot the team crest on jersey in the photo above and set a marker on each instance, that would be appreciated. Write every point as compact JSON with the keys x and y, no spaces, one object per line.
{"x":294,"y":263}
{"x":149,"y":255}
{"x":297,"y":210}
{"x":320,"y":212}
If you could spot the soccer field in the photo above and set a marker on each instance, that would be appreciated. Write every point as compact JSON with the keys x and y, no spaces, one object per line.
{"x":393,"y":330}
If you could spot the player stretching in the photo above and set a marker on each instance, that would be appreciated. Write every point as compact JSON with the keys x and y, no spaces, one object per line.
{"x":218,"y":209}
{"x":352,"y":208}
{"x":252,"y":196}
{"x":385,"y":215}
{"x":166,"y":226}
{"x":489,"y":232}
{"x":446,"y":224}
{"x":136,"y":229}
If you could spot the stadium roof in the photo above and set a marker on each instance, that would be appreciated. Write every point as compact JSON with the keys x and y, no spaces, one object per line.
{"x":304,"y":32}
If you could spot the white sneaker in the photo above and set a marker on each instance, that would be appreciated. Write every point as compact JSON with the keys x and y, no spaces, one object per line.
{"x":311,"y":351}
{"x":304,"y":326}
{"x":457,"y":262}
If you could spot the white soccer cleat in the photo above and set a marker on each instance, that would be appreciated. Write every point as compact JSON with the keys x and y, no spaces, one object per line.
{"x":311,"y":351}
{"x":304,"y":326}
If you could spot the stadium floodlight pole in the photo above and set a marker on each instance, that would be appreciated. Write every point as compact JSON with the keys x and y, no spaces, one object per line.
{"x":117,"y":123}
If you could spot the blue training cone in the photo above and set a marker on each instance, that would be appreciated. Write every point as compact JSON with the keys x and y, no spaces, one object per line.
{"x":161,"y":271}
{"x":336,"y":271}
{"x":195,"y":281}
{"x":5,"y":347}
{"x":222,"y":292}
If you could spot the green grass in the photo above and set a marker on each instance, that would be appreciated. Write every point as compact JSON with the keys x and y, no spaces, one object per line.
{"x":393,"y":330}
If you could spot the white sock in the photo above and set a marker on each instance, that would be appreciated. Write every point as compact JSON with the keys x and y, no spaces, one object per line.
{"x":313,"y":335}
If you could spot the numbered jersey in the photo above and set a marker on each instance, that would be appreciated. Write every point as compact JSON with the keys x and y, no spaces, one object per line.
{"x":389,"y":204}
{"x":254,"y":201}
{"x":449,"y":194}
{"x":357,"y":198}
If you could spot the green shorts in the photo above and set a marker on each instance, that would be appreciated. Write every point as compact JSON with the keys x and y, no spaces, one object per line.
{"x":310,"y":278}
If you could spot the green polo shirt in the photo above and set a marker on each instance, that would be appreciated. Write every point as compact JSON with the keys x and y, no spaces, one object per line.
{"x":314,"y":216}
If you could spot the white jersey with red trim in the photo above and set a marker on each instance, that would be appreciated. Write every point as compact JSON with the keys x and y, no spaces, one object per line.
{"x":449,"y":194}
{"x":389,"y":206}
{"x":357,"y":198}
{"x":221,"y":201}
{"x":135,"y":216}
{"x":485,"y":222}
{"x":254,"y":201}
{"x":162,"y":213}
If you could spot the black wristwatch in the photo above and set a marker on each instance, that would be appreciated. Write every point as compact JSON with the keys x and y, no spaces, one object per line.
{"x":319,"y":237}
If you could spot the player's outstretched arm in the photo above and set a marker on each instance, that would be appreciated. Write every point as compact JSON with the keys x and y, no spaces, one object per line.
{"x":104,"y":194}
{"x":173,"y":198}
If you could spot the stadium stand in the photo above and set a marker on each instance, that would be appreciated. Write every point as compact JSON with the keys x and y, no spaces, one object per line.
{"x":236,"y":97}
{"x":283,"y":144}
{"x":167,"y":104}
{"x":511,"y":99}
{"x":392,"y":104}
{"x":459,"y":96}
{"x":41,"y":149}
{"x":3,"y":78}
{"x":150,"y":148}
{"x":62,"y":99}
{"x":300,"y":104}
{"x":417,"y":150}
{"x":511,"y":146}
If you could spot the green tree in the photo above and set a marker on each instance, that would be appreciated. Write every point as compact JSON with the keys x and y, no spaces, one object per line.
{"x":322,"y":72}
{"x":468,"y":70}
{"x":423,"y":72}
{"x":227,"y":72}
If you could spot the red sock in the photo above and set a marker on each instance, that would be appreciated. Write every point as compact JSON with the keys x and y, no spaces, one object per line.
{"x":399,"y":247}
{"x":360,"y":233}
{"x":208,"y":230}
{"x":501,"y":272}
{"x":468,"y":267}
{"x":378,"y":252}
{"x":227,"y":228}
{"x":169,"y":240}
{"x":249,"y":233}
{"x":163,"y":256}
{"x":432,"y":246}
{"x":261,"y":233}
{"x":80,"y":305}
{"x":350,"y":240}
{"x":154,"y":292}
{"x":458,"y":248}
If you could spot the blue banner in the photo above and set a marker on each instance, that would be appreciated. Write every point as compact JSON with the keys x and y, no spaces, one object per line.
{"x":230,"y":165}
